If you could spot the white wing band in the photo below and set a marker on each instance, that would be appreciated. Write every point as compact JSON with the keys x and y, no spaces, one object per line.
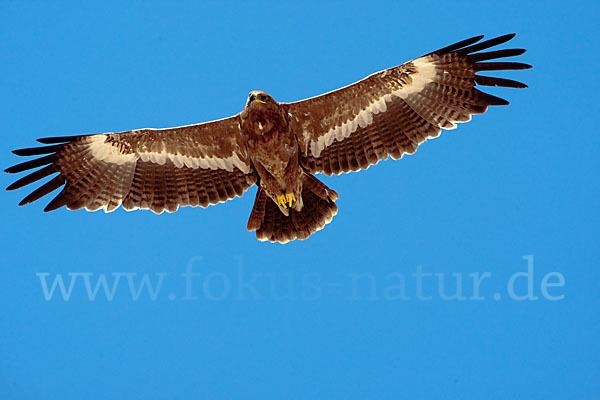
{"x":426,"y":72}
{"x":107,"y":152}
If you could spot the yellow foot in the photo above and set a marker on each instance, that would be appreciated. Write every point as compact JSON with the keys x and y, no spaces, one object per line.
{"x":286,"y":200}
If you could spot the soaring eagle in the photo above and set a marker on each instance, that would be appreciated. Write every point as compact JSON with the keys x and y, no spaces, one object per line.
{"x":276,"y":146}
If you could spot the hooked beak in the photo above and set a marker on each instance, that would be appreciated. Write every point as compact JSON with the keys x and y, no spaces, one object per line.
{"x":253,"y":98}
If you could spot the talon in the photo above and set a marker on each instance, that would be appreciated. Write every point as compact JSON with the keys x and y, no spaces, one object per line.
{"x":282,"y":200}
{"x":286,"y":200}
{"x":290,"y":198}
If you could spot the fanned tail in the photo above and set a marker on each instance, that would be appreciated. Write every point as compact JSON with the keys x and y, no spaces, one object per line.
{"x":272,"y":225}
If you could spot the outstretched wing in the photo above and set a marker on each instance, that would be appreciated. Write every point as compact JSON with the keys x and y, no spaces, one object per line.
{"x":157,"y":169}
{"x":390,"y":113}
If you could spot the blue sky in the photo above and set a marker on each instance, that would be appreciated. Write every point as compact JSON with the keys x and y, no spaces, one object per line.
{"x":343,"y":314}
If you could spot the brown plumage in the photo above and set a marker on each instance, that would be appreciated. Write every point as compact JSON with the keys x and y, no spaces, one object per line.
{"x":278,"y":146}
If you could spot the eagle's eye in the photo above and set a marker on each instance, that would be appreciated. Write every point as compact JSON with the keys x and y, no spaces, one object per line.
{"x":262,"y":97}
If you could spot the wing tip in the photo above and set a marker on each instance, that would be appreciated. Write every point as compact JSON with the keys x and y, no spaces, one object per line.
{"x":500,"y":102}
{"x":43,"y":190}
{"x":527,"y":66}
{"x":12,"y":186}
{"x":58,"y":139}
{"x":519,"y":52}
{"x":36,"y":162}
{"x":53,"y":205}
{"x":13,"y":170}
{"x":474,"y":44}
{"x":36,"y":151}
{"x":508,"y":36}
{"x":483,"y":80}
{"x":459,"y":45}
{"x":21,"y":152}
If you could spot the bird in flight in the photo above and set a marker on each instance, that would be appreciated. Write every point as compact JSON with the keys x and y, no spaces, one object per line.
{"x":275,"y":146}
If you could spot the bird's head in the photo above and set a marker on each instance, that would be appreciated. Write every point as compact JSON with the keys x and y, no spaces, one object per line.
{"x":258,"y":97}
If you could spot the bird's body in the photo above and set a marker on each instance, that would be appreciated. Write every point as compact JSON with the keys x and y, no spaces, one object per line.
{"x":273,"y":148}
{"x":277,"y":146}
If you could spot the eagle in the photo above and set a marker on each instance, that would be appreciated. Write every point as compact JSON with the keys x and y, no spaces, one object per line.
{"x":279,"y":147}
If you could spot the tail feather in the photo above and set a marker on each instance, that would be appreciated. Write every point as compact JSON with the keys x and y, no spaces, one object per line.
{"x":272,"y":225}
{"x":258,"y":210}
